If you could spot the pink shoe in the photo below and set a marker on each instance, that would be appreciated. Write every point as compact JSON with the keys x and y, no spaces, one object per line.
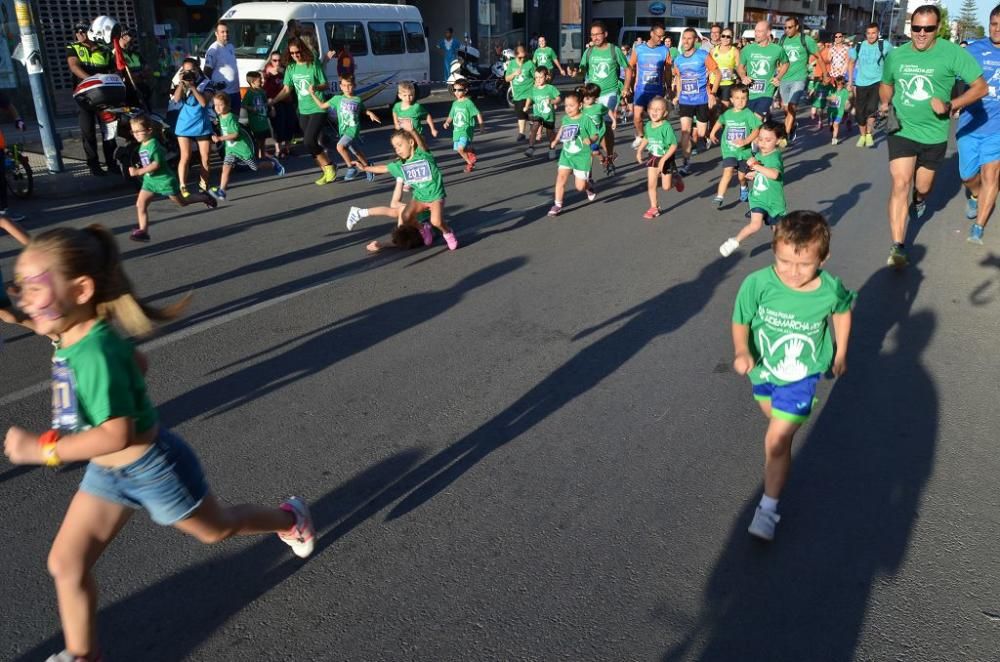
{"x":302,"y":536}
{"x":426,"y":234}
{"x":651,"y":213}
{"x":449,"y":238}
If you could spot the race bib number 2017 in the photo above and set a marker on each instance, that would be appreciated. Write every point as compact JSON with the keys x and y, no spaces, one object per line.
{"x":569,"y":132}
{"x":758,"y":85}
{"x":736,"y":133}
{"x":65,"y":415}
{"x":144,"y":159}
{"x":417,"y":172}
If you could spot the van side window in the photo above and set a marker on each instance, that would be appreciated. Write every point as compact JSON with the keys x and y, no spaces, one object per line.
{"x":415,"y":42}
{"x":386,"y":37}
{"x":351,"y":33}
{"x":308,"y":34}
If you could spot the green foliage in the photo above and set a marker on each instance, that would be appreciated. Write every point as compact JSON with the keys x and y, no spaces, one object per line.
{"x":944,"y":28}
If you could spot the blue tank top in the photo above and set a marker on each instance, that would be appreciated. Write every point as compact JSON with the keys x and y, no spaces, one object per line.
{"x":649,"y":68}
{"x":694,"y":77}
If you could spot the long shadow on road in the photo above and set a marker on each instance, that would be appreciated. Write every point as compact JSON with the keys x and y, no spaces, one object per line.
{"x":849,"y":508}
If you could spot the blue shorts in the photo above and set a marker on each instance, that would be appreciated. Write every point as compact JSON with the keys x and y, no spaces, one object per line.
{"x":976,"y":150}
{"x":791,"y":402}
{"x":644,"y":97}
{"x":761,"y":106}
{"x":768,"y":219}
{"x":460,"y":143}
{"x":167,"y":481}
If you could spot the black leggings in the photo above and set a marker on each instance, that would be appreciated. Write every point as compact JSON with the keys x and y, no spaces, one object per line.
{"x":312,"y":128}
{"x":519,"y":109}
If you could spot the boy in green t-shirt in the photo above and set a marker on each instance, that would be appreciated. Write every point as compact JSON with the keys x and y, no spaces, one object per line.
{"x":348,"y":109}
{"x":409,"y":115}
{"x":740,"y":126}
{"x":836,"y":109}
{"x":767,"y":186}
{"x":783,"y":342}
{"x":576,"y":133}
{"x":463,"y":116}
{"x":661,"y":141}
{"x":598,"y":114}
{"x":255,"y":101}
{"x":542,"y":101}
{"x":239,"y":148}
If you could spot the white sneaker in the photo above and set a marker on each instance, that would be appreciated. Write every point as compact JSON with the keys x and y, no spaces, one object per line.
{"x":591,"y":194}
{"x":729,"y":246}
{"x":763,"y":524}
{"x":637,"y":142}
{"x":302,"y":536}
{"x":353,"y":217}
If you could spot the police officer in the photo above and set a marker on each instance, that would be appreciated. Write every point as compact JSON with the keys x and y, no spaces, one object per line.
{"x":86,"y":58}
{"x":138,"y":73}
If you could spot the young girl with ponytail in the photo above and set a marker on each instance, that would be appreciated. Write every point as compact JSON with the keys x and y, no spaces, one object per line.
{"x":72,"y":286}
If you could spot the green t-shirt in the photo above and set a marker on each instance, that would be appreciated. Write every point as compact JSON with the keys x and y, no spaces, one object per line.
{"x":163,"y":180}
{"x":837,"y":102}
{"x":544,"y":57}
{"x":597,"y":112}
{"x":737,"y":125}
{"x":255,"y":101}
{"x":463,"y":118}
{"x":412,"y":117}
{"x":920,"y":75}
{"x":241,"y":147}
{"x":541,"y":102}
{"x":790,"y":338}
{"x":761,"y":63}
{"x":659,"y":138}
{"x":97,"y":379}
{"x":576,"y":153}
{"x":602,"y":66}
{"x":766,"y":193}
{"x":349,"y":111}
{"x":421,"y":173}
{"x":299,"y":77}
{"x":521,"y":84}
{"x":674,"y":53}
{"x":797,"y":56}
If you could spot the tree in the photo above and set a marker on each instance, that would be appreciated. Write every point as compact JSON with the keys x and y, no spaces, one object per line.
{"x":944,"y":29}
{"x":979,"y":32}
{"x":967,"y":20}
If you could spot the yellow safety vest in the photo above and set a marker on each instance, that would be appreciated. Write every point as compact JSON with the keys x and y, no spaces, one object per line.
{"x":94,"y":61}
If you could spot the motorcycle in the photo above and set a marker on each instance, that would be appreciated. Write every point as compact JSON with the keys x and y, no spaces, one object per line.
{"x":465,"y":67}
{"x":497,"y":86}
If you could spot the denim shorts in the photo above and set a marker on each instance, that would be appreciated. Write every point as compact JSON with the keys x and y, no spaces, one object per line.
{"x":167,"y":481}
{"x":792,"y":91}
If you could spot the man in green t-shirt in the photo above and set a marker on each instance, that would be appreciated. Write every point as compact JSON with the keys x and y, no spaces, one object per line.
{"x":802,"y":53}
{"x":917,"y":79}
{"x":762,"y":65}
{"x":544,"y":56}
{"x":602,"y":64}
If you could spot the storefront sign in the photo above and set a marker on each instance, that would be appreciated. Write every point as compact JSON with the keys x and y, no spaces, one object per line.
{"x":655,"y":9}
{"x":814,"y":22}
{"x":679,"y":10}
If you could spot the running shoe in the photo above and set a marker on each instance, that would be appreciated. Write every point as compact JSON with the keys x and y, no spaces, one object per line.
{"x":139,"y":235}
{"x":469,"y":167}
{"x":326,"y":179}
{"x":869,"y":140}
{"x":426,"y":234}
{"x":554,"y":211}
{"x":184,"y":192}
{"x":279,"y":170}
{"x":652,"y":212}
{"x":763,"y":524}
{"x":694,"y":150}
{"x":552,"y":154}
{"x":521,"y":137}
{"x":862,"y":140}
{"x":971,"y":208}
{"x":14,"y":216}
{"x":834,"y":141}
{"x":897,"y":258}
{"x":370,"y":176}
{"x":591,"y":194}
{"x":218,"y":194}
{"x":351,"y":174}
{"x":637,"y":142}
{"x":718,"y":201}
{"x":729,"y":246}
{"x":302,"y":536}
{"x":744,"y":194}
{"x":684,"y":169}
{"x":211,"y":202}
{"x":976,"y":234}
{"x":530,"y":152}
{"x":472,"y":157}
{"x":66,"y":656}
{"x":919,"y":208}
{"x":353,"y":217}
{"x":678,"y":183}
{"x":449,"y":238}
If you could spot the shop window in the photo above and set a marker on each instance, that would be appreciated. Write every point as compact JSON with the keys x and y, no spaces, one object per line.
{"x":415,"y":42}
{"x":351,"y":33}
{"x":386,"y":37}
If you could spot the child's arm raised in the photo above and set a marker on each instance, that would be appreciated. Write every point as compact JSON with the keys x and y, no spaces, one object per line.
{"x":14,"y":230}
{"x":743,"y":360}
{"x":841,"y":334}
{"x":112,"y":435}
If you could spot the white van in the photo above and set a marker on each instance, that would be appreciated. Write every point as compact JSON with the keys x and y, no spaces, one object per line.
{"x":387,"y":41}
{"x":750,"y":35}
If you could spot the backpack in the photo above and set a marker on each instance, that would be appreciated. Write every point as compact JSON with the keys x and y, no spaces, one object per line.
{"x":881,"y":52}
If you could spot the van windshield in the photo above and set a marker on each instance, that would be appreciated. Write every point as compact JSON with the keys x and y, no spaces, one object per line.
{"x":252,"y":38}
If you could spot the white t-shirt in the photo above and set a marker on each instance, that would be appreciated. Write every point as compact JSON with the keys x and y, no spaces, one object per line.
{"x":222,"y":61}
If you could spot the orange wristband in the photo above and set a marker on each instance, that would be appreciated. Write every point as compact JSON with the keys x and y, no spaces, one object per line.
{"x":48,"y":437}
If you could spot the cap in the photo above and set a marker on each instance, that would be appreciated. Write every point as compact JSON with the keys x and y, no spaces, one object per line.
{"x":81,"y":27}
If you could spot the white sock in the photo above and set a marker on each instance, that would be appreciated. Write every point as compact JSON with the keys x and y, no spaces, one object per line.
{"x":558,"y":203}
{"x":362,"y":213}
{"x":768,"y":504}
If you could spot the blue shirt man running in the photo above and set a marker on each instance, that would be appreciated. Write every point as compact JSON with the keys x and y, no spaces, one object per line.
{"x":647,"y":69}
{"x":695,"y":91}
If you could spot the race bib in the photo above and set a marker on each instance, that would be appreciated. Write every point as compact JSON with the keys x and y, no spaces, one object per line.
{"x":758,"y":85}
{"x":727,"y":74}
{"x":417,"y":172}
{"x":650,"y":76}
{"x":834,"y":101}
{"x":406,"y":123}
{"x":735,"y":133}
{"x":348,"y":107}
{"x":144,"y":159}
{"x":569,"y":132}
{"x":689,"y":86}
{"x":65,"y":413}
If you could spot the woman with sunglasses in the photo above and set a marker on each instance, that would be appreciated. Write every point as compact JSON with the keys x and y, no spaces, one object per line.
{"x":282,"y":114}
{"x":303,"y":75}
{"x":727,"y":56}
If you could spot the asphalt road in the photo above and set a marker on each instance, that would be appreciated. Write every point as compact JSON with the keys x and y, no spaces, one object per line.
{"x":534,"y":447}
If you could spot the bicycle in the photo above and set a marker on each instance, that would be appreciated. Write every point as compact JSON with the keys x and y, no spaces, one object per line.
{"x":17,"y":172}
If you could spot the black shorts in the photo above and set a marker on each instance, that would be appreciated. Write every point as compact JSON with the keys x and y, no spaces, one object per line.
{"x":928,"y":156}
{"x":550,"y":125}
{"x":699,"y":112}
{"x":866,"y":102}
{"x":725,"y":91}
{"x":668,"y":167}
{"x":519,"y":109}
{"x":733,"y":162}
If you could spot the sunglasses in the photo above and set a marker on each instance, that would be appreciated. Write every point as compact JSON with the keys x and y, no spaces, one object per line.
{"x":924,"y":28}
{"x":459,"y":90}
{"x":727,"y":36}
{"x":838,"y":36}
{"x":293,"y":53}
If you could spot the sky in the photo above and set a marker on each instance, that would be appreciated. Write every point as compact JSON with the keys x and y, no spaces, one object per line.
{"x":983,"y":9}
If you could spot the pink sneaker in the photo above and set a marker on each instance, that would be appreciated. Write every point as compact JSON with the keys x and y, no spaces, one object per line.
{"x":449,"y":238}
{"x":427,"y":234}
{"x":302,"y":536}
{"x":652,"y":212}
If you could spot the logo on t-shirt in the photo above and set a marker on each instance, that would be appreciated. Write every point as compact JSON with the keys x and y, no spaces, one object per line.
{"x":602,"y":69}
{"x":144,"y":158}
{"x":789,"y":368}
{"x":917,"y":88}
{"x":759,"y":68}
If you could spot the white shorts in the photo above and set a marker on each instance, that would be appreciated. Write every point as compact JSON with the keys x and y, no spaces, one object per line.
{"x":579,"y":174}
{"x":609,"y":99}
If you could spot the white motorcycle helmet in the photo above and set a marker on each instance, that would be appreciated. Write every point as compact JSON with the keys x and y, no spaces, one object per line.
{"x":104,"y":30}
{"x":508,"y":54}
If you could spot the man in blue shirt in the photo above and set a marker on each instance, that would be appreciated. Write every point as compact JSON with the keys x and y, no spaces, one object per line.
{"x":979,"y":134}
{"x":450,"y":47}
{"x":868,"y":58}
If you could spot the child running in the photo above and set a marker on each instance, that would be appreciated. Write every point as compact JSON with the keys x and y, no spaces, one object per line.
{"x":782,"y":340}
{"x":157,"y":178}
{"x":407,"y":114}
{"x":71,"y":284}
{"x":255,"y":101}
{"x":598,"y":114}
{"x":661,"y":141}
{"x":576,"y":133}
{"x":349,"y":109}
{"x":463,"y":116}
{"x":740,"y":126}
{"x":767,"y":186}
{"x":7,"y":313}
{"x":239,"y":150}
{"x":418,"y":170}
{"x":542,"y":101}
{"x":837,"y":102}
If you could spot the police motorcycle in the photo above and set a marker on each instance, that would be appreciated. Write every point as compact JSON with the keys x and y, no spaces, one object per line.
{"x":107,"y":95}
{"x":497,"y":86}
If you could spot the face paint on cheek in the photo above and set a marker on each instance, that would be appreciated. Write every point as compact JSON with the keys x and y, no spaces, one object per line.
{"x":48,"y":308}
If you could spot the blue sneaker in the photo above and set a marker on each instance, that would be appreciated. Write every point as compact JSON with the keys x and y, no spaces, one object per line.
{"x":370,"y":176}
{"x":971,"y":208}
{"x":279,"y":170}
{"x":351,"y":174}
{"x":744,"y":194}
{"x":976,"y":234}
{"x":217,"y":193}
{"x":919,"y":208}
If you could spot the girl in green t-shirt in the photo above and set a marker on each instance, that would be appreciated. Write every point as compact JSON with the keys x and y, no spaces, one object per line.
{"x":520,"y":73}
{"x":661,"y":141}
{"x":157,"y":177}
{"x":837,"y":106}
{"x":72,"y":285}
{"x":576,"y":133}
{"x":239,"y":149}
{"x":542,"y":102}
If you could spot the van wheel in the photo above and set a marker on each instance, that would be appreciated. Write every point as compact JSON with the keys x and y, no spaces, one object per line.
{"x":510,"y":97}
